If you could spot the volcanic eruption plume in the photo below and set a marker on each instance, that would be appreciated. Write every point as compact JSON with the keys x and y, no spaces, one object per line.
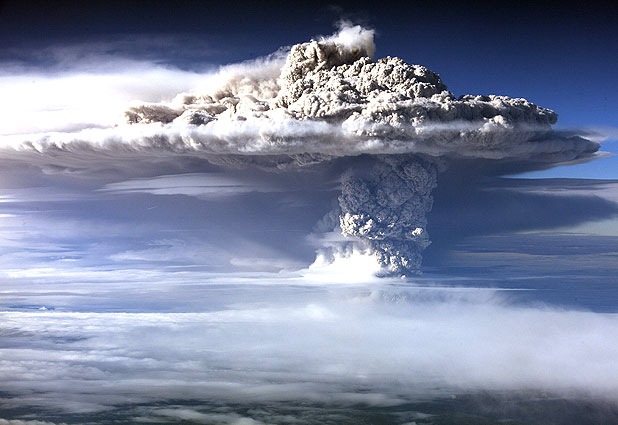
{"x":319,"y":102}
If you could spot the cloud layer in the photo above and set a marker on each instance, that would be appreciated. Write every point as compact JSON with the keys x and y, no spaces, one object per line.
{"x":342,"y":346}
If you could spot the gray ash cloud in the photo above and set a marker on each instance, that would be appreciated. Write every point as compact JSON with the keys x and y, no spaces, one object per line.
{"x":328,"y":99}
{"x":387,"y":207}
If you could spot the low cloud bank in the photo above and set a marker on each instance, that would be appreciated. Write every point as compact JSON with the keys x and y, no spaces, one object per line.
{"x":377,"y":346}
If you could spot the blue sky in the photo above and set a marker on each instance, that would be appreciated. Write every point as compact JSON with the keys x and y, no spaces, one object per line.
{"x":560,"y":58}
{"x":150,"y":282}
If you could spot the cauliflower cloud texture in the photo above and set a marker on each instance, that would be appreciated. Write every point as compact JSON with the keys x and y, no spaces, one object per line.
{"x":326,"y":99}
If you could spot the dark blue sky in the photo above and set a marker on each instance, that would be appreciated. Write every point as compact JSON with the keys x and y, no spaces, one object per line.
{"x":557,"y":55}
{"x":545,"y":52}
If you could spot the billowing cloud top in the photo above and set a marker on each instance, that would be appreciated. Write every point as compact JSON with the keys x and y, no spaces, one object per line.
{"x":328,"y":96}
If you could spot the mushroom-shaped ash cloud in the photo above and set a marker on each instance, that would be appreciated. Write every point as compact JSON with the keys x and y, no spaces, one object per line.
{"x":328,"y":99}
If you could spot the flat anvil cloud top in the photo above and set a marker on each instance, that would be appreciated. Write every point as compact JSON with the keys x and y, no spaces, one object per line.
{"x":330,"y":97}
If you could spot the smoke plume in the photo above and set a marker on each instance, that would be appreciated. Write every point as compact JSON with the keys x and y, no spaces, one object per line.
{"x":388,"y":208}
{"x":326,"y":99}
